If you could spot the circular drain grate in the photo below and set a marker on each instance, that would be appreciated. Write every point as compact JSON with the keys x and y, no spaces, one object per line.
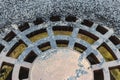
{"x":32,"y":46}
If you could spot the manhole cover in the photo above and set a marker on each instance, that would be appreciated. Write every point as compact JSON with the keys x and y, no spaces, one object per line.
{"x":66,"y":48}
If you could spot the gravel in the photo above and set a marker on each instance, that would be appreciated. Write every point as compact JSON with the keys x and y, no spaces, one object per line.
{"x":104,"y":12}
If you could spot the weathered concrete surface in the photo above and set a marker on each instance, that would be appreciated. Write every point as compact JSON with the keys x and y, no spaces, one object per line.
{"x":61,"y":65}
{"x":105,"y":12}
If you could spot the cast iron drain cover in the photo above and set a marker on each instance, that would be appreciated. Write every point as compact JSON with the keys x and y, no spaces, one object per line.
{"x":66,"y":48}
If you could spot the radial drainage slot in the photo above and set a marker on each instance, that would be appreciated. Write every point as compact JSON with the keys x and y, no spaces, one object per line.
{"x":98,"y":75}
{"x":24,"y":72}
{"x":115,"y":40}
{"x":17,"y":49}
{"x":62,"y":43}
{"x":107,"y":53}
{"x":101,"y":29}
{"x":88,"y":37}
{"x":80,"y":48}
{"x":24,"y":26}
{"x":87,"y":23}
{"x":93,"y":59}
{"x":45,"y":46}
{"x":9,"y":36}
{"x":6,"y":71}
{"x":62,"y":30}
{"x":115,"y":73}
{"x":30,"y":57}
{"x":1,"y":47}
{"x":37,"y":35}
{"x":38,"y":21}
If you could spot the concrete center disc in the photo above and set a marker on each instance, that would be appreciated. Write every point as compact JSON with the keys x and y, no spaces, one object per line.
{"x":59,"y":65}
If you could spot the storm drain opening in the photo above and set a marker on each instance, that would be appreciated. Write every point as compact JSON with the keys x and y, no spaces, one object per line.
{"x":62,"y":30}
{"x":87,"y":23}
{"x":37,"y":35}
{"x":17,"y":49}
{"x":98,"y":75}
{"x":114,"y":40}
{"x":112,"y":77}
{"x":38,"y":21}
{"x":9,"y":36}
{"x":115,"y":72}
{"x":45,"y":46}
{"x":106,"y":52}
{"x":1,"y":47}
{"x":93,"y":59}
{"x":86,"y":36}
{"x":101,"y":29}
{"x":24,"y":72}
{"x":80,"y":48}
{"x":24,"y":26}
{"x":30,"y":57}
{"x":6,"y":71}
{"x":62,"y":43}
